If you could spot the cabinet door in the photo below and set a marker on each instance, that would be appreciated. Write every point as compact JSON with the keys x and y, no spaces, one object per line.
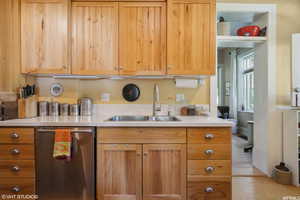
{"x":142,"y":36}
{"x":119,"y":172}
{"x":164,"y":172}
{"x":95,"y":38}
{"x":191,"y":37}
{"x":44,"y":36}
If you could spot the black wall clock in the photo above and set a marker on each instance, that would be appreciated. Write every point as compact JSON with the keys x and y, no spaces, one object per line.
{"x":131,"y":92}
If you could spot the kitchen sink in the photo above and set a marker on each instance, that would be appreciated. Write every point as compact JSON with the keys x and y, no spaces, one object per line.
{"x":163,"y":118}
{"x":143,"y":118}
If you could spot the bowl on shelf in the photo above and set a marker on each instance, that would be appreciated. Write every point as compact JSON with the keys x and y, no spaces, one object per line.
{"x":251,"y":31}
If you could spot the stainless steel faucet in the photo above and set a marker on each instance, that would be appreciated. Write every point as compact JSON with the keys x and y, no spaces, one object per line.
{"x":156,"y":105}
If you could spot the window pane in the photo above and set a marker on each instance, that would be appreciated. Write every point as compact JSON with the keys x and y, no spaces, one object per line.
{"x":246,"y":63}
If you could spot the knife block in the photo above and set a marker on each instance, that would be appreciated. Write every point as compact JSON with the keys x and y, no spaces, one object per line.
{"x":27,"y":108}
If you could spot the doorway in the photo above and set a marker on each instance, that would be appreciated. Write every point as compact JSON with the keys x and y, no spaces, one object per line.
{"x":266,"y":134}
{"x":236,"y":103}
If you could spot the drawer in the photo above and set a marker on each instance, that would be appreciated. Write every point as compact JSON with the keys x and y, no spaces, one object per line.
{"x":209,"y":135}
{"x":17,"y":168}
{"x":16,"y":152}
{"x":216,"y":189}
{"x":16,"y":135}
{"x":141,"y":135}
{"x":209,"y":167}
{"x":209,"y":152}
{"x":17,"y":186}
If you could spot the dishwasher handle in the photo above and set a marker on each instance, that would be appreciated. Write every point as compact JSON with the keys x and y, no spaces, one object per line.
{"x":73,"y":130}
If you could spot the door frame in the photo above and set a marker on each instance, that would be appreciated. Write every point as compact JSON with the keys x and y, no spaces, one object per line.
{"x":267,"y":119}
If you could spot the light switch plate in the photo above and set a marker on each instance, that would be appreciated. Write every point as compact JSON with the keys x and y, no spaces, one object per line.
{"x":180,"y":97}
{"x":105,"y":97}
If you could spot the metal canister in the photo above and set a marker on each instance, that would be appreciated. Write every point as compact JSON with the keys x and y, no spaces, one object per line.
{"x":86,"y":106}
{"x":74,"y":109}
{"x":64,"y":109}
{"x":43,"y":108}
{"x":54,"y":109}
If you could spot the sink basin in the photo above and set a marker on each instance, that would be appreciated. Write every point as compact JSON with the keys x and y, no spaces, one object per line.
{"x":163,"y":118}
{"x":143,"y":118}
{"x":128,"y":118}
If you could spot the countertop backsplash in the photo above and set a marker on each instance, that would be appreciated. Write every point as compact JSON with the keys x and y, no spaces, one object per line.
{"x":137,"y":109}
{"x":75,"y":89}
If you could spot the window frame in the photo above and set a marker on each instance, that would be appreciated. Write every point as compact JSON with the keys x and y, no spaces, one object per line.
{"x":242,"y":85}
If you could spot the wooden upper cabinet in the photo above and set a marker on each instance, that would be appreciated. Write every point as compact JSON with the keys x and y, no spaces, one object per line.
{"x":119,"y":171}
{"x":191,"y":37}
{"x":44,"y":36}
{"x":116,"y":0}
{"x":95,"y":38}
{"x":142,"y":38}
{"x":164,"y":172}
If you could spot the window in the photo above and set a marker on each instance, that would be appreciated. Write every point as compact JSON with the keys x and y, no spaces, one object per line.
{"x":246,"y":81}
{"x":220,"y":87}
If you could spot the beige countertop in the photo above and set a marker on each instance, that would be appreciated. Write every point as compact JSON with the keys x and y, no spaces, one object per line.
{"x":100,"y":121}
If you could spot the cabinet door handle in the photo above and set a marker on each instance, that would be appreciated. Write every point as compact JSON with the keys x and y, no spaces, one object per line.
{"x":138,"y":154}
{"x":16,"y":189}
{"x":169,"y":67}
{"x":15,"y":152}
{"x":14,"y":136}
{"x":209,"y":152}
{"x":209,"y":169}
{"x":43,"y":24}
{"x":209,"y":190}
{"x":15,"y":168}
{"x":209,"y":136}
{"x":145,"y":153}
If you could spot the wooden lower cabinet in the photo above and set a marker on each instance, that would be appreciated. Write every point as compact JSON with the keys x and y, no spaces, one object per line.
{"x":17,"y":162}
{"x":142,"y":135}
{"x":163,"y":164}
{"x":209,"y":152}
{"x":122,"y":177}
{"x":209,"y":167}
{"x":164,"y":172}
{"x":119,"y":172}
{"x":17,"y":186}
{"x":16,"y":152}
{"x":17,"y":135}
{"x":209,"y":163}
{"x":203,"y":188}
{"x":17,"y":168}
{"x":209,"y":135}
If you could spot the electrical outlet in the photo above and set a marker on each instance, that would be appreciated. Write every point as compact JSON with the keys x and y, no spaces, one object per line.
{"x":180,"y":97}
{"x":105,"y":97}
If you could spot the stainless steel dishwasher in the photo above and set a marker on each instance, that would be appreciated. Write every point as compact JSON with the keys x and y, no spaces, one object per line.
{"x":61,"y":179}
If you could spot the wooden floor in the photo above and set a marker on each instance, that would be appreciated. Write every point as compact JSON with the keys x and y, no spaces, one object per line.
{"x":241,"y":161}
{"x":261,"y":188}
{"x":248,"y":183}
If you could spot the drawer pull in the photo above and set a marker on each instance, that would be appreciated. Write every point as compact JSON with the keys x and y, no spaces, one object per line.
{"x":209,"y":152}
{"x":209,"y":136}
{"x":15,"y":152}
{"x":14,"y":136}
{"x":209,"y":169}
{"x":15,"y":189}
{"x":209,"y":190}
{"x":15,"y":168}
